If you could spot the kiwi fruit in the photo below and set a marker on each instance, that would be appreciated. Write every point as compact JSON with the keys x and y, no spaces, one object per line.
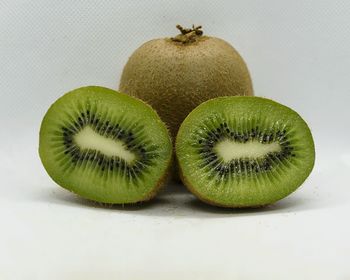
{"x":244,"y":151}
{"x":105,"y":146}
{"x":174,"y":75}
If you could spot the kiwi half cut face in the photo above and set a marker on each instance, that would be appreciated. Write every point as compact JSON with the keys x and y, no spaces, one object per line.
{"x":105,"y":146}
{"x":244,"y":151}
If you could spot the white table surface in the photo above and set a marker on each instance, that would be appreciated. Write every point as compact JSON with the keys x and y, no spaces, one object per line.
{"x":298,"y":54}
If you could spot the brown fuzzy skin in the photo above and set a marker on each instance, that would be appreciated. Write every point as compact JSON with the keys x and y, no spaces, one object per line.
{"x":175,"y":77}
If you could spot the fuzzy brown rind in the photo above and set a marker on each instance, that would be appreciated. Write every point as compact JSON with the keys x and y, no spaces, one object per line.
{"x":174,"y":77}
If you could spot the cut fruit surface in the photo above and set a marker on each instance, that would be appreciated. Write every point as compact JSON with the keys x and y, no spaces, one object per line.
{"x":244,"y":151}
{"x":105,"y":146}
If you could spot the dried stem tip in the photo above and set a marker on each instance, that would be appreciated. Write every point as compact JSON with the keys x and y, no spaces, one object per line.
{"x":188,"y":35}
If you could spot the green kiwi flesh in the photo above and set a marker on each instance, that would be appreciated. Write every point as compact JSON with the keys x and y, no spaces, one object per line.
{"x":105,"y":146}
{"x":244,"y":151}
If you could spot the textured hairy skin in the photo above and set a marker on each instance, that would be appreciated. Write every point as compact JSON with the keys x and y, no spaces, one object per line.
{"x":174,"y":75}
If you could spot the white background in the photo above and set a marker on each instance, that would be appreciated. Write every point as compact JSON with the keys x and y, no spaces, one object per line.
{"x":298,"y":54}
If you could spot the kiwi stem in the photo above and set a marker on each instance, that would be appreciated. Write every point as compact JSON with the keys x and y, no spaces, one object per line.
{"x":188,"y":35}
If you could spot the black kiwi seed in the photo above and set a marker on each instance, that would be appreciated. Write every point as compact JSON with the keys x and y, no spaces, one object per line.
{"x":243,"y":166}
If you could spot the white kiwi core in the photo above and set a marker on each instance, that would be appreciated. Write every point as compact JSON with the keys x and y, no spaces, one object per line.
{"x":87,"y":138}
{"x":228,"y":149}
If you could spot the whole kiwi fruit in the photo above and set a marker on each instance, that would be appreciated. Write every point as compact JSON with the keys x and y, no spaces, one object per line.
{"x":174,"y":75}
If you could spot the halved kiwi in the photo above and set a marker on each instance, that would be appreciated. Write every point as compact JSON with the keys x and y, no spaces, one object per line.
{"x":244,"y":151}
{"x":105,"y":146}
